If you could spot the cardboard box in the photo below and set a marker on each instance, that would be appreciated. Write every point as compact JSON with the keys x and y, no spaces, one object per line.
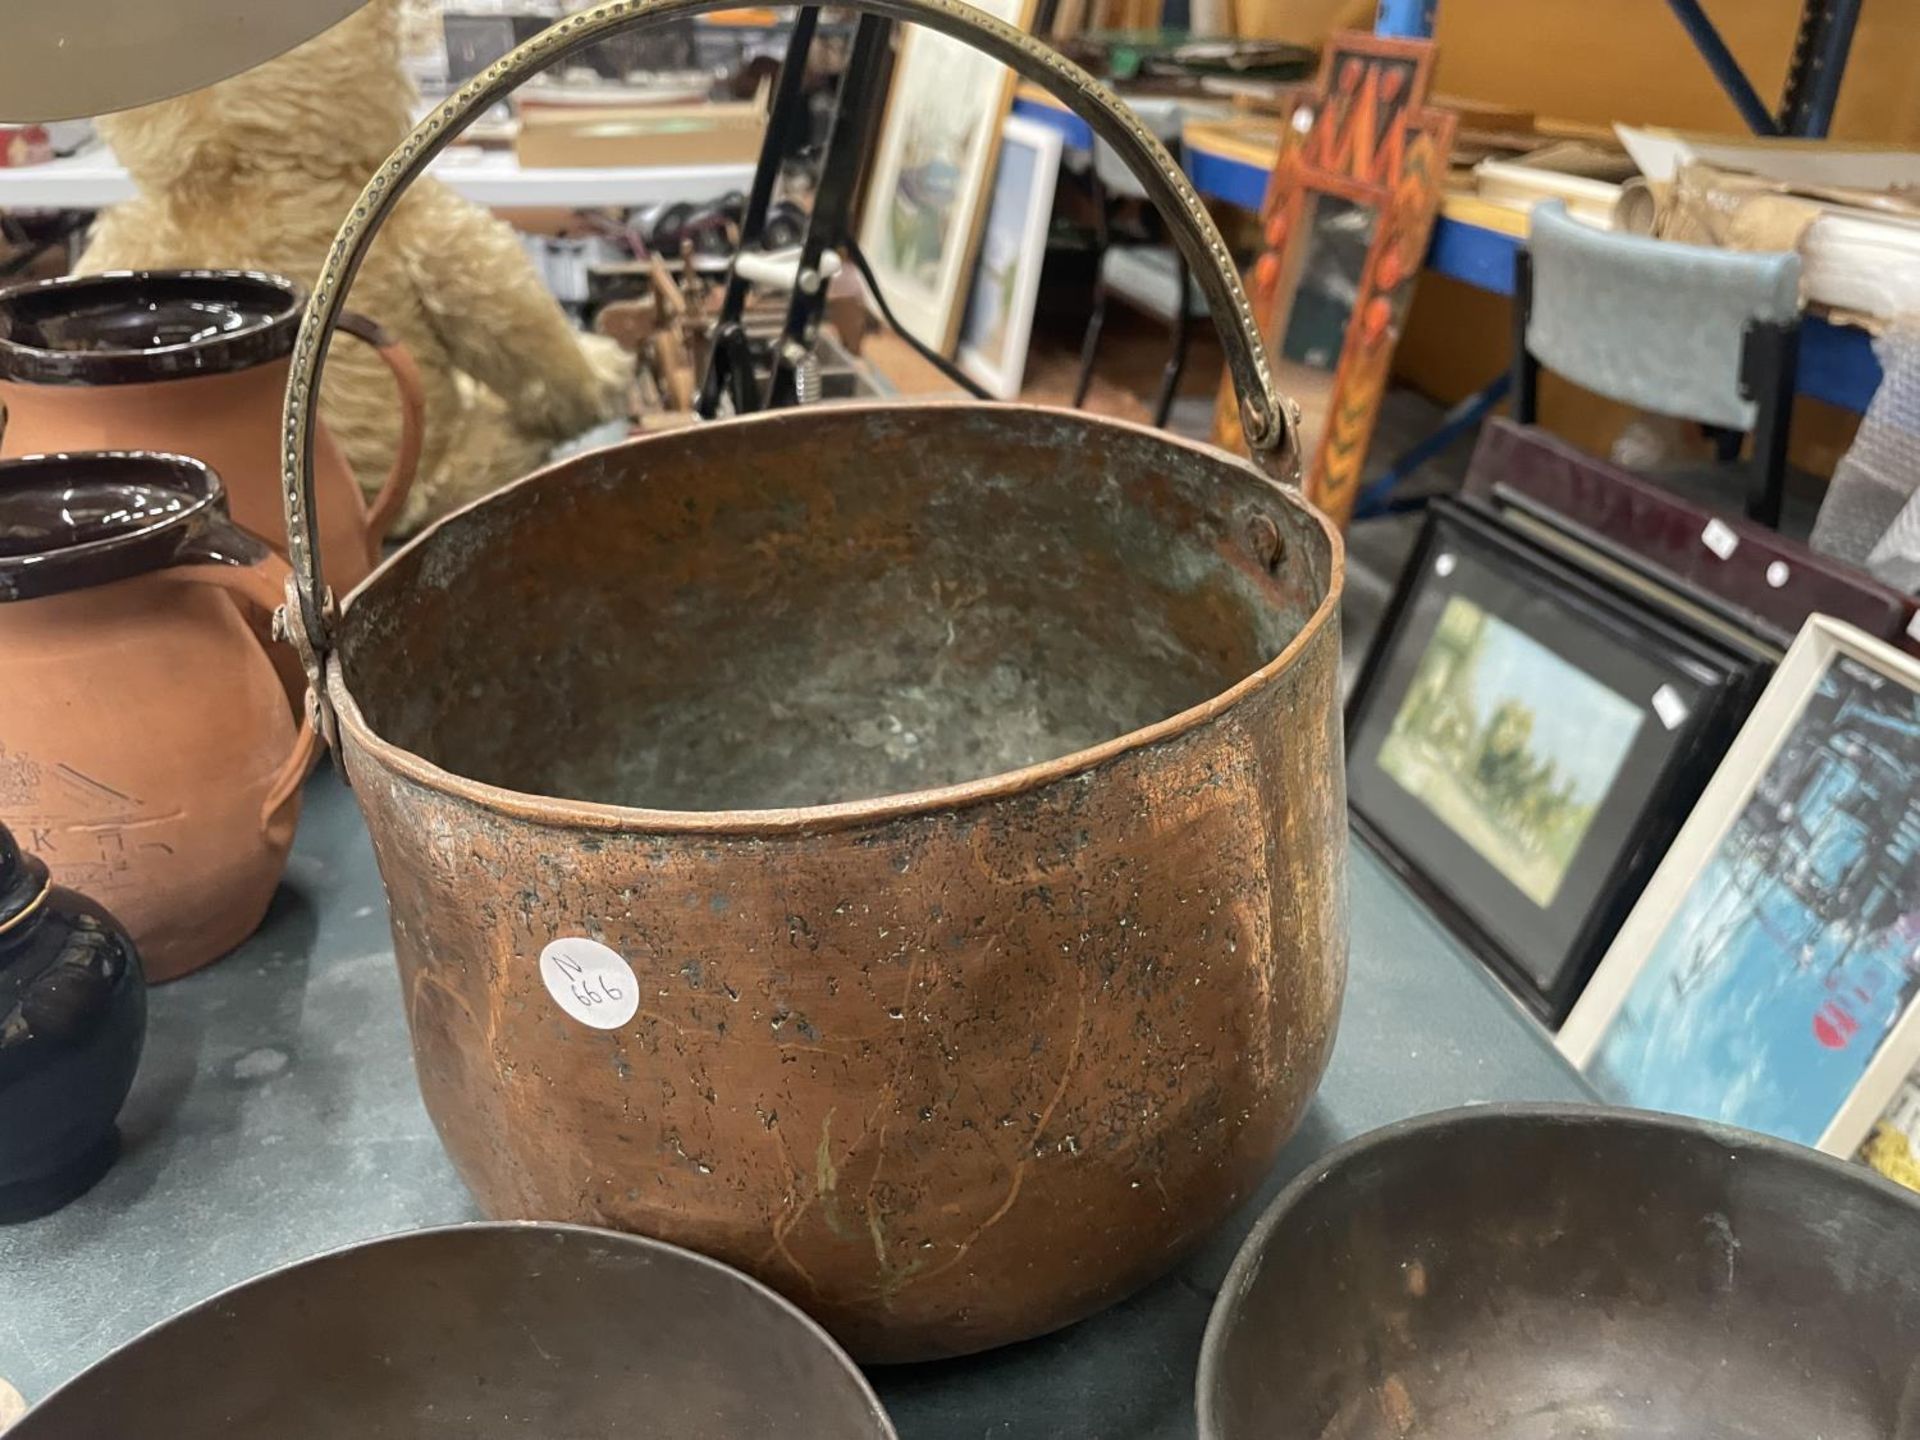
{"x":706,"y":134}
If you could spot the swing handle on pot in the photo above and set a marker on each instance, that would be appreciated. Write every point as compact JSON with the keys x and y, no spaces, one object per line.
{"x":308,"y":622}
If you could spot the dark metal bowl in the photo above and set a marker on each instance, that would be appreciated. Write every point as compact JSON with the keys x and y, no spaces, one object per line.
{"x":480,"y":1332}
{"x":1552,"y":1272}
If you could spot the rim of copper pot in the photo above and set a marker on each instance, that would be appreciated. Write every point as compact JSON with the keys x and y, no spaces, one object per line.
{"x":275,"y":1273}
{"x":840,"y":814}
{"x":267,"y":335}
{"x":1594,"y":1114}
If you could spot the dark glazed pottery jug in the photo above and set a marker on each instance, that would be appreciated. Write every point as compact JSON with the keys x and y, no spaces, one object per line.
{"x":73,"y":1015}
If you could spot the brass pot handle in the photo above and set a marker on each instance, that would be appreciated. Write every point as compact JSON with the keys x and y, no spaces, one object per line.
{"x":1268,"y":426}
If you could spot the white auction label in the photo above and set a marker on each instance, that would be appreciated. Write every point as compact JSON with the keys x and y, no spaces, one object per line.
{"x":1720,"y":539}
{"x":590,"y":982}
{"x":1668,"y":705}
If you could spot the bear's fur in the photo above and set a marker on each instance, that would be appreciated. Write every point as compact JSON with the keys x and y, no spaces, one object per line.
{"x":257,"y":172}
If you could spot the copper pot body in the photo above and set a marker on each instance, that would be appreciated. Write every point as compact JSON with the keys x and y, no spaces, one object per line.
{"x":963,"y":786}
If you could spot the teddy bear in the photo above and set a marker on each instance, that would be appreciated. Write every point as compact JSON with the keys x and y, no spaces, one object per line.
{"x":258,"y":171}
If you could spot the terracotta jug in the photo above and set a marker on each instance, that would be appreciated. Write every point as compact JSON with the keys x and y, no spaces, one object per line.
{"x":146,"y":749}
{"x":193,"y":362}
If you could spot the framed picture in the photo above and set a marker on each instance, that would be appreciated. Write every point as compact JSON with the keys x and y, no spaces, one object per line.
{"x":1523,"y":742}
{"x":932,"y":168}
{"x":1769,"y":974}
{"x":1893,"y":1146}
{"x":1013,"y":249}
{"x":1745,"y":572}
{"x":1349,"y":208}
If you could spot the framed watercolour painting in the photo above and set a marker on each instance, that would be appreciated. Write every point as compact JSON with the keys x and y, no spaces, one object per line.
{"x":1013,"y":249}
{"x":931,"y":171}
{"x":1770,"y":975}
{"x":1522,"y":743}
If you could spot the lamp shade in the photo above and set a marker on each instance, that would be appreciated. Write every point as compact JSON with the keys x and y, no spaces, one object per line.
{"x":62,"y":59}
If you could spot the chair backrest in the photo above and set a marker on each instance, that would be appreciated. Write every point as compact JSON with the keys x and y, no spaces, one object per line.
{"x":1648,"y":322}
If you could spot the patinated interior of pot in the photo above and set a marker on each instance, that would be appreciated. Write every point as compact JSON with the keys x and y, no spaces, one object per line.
{"x":830,"y":605}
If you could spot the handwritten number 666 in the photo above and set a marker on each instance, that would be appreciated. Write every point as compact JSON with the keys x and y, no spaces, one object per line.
{"x":588,"y":989}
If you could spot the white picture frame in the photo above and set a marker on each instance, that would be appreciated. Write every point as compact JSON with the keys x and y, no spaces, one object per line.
{"x":998,"y":322}
{"x":932,"y":171}
{"x":1726,"y":947}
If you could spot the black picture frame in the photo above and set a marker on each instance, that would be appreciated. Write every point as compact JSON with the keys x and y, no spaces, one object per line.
{"x":1543,"y":946}
{"x":1762,"y":583}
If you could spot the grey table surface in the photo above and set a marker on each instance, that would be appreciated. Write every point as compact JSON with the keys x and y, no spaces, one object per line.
{"x":275,"y":1116}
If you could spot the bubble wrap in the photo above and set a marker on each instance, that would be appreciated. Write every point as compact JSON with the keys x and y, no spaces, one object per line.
{"x":1871,"y":514}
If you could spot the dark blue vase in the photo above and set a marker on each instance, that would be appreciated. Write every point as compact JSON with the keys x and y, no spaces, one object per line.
{"x":73,"y":1016}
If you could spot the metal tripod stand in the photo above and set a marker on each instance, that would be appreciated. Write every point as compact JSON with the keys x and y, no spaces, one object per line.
{"x":730,"y":366}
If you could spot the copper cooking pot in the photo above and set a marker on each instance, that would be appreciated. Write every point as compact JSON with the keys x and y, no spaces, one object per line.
{"x":898,"y":850}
